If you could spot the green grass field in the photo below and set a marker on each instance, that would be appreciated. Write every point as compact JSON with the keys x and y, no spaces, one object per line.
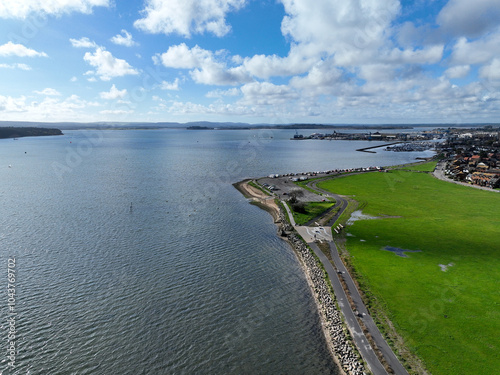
{"x":425,"y":167}
{"x":312,"y":210}
{"x":450,"y":319}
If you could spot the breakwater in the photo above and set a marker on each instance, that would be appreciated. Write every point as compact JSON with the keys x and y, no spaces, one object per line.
{"x":368,"y":149}
{"x":334,"y":329}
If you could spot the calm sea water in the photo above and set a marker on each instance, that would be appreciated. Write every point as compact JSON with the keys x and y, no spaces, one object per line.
{"x":135,"y":255}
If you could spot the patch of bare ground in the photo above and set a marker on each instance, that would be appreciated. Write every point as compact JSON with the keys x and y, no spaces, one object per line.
{"x":259,"y":198}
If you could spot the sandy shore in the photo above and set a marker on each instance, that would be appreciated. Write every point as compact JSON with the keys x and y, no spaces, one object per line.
{"x":257,"y":196}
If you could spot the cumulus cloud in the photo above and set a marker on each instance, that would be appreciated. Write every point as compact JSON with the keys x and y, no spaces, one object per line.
{"x":297,"y":62}
{"x":185,"y":17}
{"x":338,"y":26}
{"x":469,"y":18}
{"x":206,"y":68}
{"x":323,"y":78}
{"x":83,"y":43}
{"x":265,"y":93}
{"x":459,"y":71}
{"x":124,"y":39}
{"x":15,"y":66}
{"x":113,"y":93}
{"x":183,"y":57}
{"x":116,"y":112}
{"x":14,"y":49}
{"x":478,"y":51}
{"x":107,"y":66}
{"x":221,"y":93}
{"x":174,"y":86}
{"x":428,"y":55}
{"x":50,"y":108}
{"x":48,"y":92}
{"x":23,"y":8}
{"x":491,"y":71}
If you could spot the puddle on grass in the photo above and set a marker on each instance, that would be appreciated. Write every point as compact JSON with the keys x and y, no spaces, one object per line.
{"x":444,"y":267}
{"x":358,"y":215}
{"x":400,"y":252}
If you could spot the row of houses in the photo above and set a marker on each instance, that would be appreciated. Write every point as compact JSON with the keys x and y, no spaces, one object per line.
{"x":479,"y":169}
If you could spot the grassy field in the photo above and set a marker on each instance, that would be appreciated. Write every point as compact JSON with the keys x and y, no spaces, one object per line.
{"x":424,"y":167}
{"x":443,"y":300}
{"x":312,"y":210}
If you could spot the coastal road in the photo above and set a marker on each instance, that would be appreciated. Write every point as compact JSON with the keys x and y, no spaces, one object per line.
{"x":357,"y":334}
{"x":356,"y":331}
{"x":340,"y":202}
{"x":370,"y":325}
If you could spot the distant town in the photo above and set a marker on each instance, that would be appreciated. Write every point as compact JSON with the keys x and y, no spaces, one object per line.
{"x":473,"y":156}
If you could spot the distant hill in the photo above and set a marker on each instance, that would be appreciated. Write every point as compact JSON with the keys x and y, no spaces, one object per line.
{"x":208,"y":125}
{"x":18,"y":132}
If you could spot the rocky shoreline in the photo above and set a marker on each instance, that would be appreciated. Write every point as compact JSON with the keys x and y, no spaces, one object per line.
{"x":338,"y":340}
{"x":339,"y":343}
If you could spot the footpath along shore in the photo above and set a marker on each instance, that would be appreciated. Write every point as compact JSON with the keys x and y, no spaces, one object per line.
{"x":337,"y":337}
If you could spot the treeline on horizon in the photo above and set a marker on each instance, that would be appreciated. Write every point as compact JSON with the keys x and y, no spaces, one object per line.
{"x":18,"y":132}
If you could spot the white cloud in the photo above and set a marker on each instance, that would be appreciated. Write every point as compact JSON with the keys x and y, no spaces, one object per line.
{"x":297,"y":62}
{"x":15,"y":66}
{"x":48,"y":92}
{"x":107,"y":66}
{"x":323,"y":78}
{"x":221,"y":93}
{"x":218,"y":74}
{"x":124,"y":40}
{"x":478,"y":51}
{"x":265,"y":93}
{"x":13,"y":49}
{"x":11,"y":104}
{"x":206,"y":69}
{"x":338,"y":26}
{"x":491,"y":71}
{"x":83,"y":43}
{"x":51,"y":108}
{"x":73,"y":79}
{"x":116,"y":112}
{"x":428,"y":55}
{"x":113,"y":93}
{"x":186,"y":17}
{"x":23,"y":8}
{"x":182,"y":57}
{"x":170,"y":85}
{"x":459,"y":71}
{"x":469,"y":18}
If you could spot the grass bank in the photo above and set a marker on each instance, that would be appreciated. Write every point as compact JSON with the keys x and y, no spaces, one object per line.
{"x":310,"y":211}
{"x":443,"y":299}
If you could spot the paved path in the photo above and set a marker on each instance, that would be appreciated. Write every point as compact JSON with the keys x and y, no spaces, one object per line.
{"x":360,"y":339}
{"x":387,"y":352}
{"x":340,"y":202}
{"x":362,"y":343}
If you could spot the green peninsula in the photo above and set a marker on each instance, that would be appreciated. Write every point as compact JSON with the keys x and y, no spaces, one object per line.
{"x":18,"y":132}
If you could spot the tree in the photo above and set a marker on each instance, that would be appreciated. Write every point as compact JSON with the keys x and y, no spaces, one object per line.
{"x":294,"y":194}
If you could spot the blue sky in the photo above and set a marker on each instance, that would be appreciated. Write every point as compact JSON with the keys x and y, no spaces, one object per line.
{"x":272,"y":61}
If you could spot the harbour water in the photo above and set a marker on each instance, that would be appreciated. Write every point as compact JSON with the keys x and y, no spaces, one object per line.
{"x":135,"y":255}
